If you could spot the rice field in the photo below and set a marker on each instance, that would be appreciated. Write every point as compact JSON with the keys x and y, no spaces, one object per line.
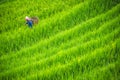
{"x":74,"y":40}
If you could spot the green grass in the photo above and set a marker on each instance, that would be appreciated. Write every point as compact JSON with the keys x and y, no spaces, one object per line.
{"x":74,"y":40}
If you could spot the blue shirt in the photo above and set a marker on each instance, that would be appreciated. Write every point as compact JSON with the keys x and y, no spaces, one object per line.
{"x":30,"y":23}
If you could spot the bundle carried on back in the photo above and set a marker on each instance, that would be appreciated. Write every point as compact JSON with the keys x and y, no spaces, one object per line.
{"x":35,"y":20}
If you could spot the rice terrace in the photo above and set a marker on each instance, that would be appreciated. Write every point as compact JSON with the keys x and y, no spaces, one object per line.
{"x":72,"y":40}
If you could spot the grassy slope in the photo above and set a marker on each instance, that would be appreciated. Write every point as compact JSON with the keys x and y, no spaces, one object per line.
{"x":52,"y":26}
{"x":74,"y":40}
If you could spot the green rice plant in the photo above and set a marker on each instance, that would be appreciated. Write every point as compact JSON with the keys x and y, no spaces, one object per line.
{"x":64,"y":57}
{"x":39,"y":33}
{"x":29,"y":53}
{"x":75,"y":40}
{"x":79,"y":65}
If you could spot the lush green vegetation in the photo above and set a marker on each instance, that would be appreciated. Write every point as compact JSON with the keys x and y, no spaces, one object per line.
{"x":74,"y":40}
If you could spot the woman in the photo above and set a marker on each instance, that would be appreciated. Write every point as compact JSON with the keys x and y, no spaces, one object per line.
{"x":29,"y":21}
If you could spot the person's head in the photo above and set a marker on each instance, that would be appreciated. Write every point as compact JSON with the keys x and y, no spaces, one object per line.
{"x":27,"y":18}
